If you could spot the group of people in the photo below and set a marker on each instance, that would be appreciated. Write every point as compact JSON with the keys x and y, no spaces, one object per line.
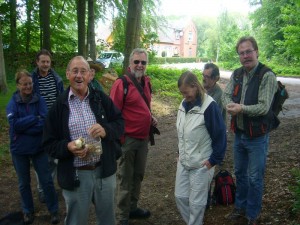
{"x":46,"y":123}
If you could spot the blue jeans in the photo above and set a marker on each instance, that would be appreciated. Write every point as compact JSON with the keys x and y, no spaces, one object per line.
{"x":249,"y":164}
{"x":41,"y":166}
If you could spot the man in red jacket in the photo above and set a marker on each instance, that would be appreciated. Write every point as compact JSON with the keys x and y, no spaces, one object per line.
{"x":135,"y":107}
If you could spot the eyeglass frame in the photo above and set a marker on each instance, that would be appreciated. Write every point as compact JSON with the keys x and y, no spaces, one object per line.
{"x":246,"y":53}
{"x":75,"y":72}
{"x":30,"y":84}
{"x":137,"y":62}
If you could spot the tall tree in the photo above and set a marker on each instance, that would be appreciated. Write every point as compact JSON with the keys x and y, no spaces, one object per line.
{"x":81,"y":7}
{"x":3,"y":84}
{"x":28,"y":24}
{"x":133,"y":28}
{"x":91,"y":30}
{"x":267,"y":24}
{"x":291,"y":31}
{"x":45,"y":24}
{"x":13,"y":27}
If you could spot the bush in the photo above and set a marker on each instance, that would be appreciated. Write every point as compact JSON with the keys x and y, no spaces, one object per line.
{"x":164,"y":81}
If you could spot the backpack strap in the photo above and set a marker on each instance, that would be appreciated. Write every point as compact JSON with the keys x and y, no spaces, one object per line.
{"x":125,"y":86}
{"x":261,"y":71}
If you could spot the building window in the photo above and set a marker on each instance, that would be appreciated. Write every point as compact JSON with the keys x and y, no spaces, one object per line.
{"x":190,"y":52}
{"x":190,"y":36}
{"x":177,"y":35}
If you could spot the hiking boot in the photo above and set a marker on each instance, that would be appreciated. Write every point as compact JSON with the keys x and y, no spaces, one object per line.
{"x":252,"y":222}
{"x":55,"y":218}
{"x":28,"y":218}
{"x":139,"y":214}
{"x":235,"y":214}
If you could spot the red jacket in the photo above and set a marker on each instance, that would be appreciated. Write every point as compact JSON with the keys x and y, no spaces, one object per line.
{"x":134,"y":109}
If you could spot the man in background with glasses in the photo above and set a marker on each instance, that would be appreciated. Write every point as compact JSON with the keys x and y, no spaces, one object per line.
{"x":248,"y":99}
{"x":135,"y":107}
{"x":49,"y":85}
{"x":211,"y":76}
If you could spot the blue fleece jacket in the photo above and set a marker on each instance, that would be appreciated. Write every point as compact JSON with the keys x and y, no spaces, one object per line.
{"x":26,"y":122}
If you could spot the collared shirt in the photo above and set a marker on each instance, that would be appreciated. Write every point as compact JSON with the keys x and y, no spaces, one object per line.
{"x":81,"y":118}
{"x":267,"y":89}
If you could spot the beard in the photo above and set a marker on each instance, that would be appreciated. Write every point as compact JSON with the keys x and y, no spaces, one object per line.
{"x":138,"y":74}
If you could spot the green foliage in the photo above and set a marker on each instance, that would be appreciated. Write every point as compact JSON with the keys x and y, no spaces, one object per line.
{"x":27,"y":61}
{"x":4,"y":99}
{"x":295,"y":188}
{"x":276,"y":24}
{"x":164,"y":81}
{"x":63,"y":25}
{"x":217,"y":36}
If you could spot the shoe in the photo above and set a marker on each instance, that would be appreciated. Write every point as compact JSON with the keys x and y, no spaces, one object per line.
{"x":41,"y":197}
{"x":235,"y":214}
{"x":123,"y":222}
{"x":252,"y":222}
{"x":55,"y":218}
{"x":28,"y":218}
{"x":139,"y":214}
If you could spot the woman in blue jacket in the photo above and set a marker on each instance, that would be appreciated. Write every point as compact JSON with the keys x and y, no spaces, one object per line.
{"x":26,"y":112}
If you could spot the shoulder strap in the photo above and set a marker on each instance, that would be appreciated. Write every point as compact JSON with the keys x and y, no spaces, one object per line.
{"x":261,"y":70}
{"x":125,"y":86}
{"x":140,"y":89}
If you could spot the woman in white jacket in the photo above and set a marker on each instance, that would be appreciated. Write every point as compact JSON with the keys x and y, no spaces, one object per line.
{"x":201,"y":143}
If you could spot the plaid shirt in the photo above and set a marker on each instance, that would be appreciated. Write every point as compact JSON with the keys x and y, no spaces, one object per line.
{"x":80,"y":119}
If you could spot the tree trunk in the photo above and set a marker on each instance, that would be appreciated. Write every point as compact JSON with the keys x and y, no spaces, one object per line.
{"x":28,"y":25}
{"x":3,"y":84}
{"x":91,"y":30}
{"x":45,"y":24}
{"x":13,"y":28}
{"x":133,"y":28}
{"x":81,"y":27}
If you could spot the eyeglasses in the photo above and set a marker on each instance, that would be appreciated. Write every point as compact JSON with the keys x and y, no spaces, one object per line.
{"x":136,"y":62}
{"x":76,"y":72}
{"x":245,"y":53}
{"x":26,"y":84}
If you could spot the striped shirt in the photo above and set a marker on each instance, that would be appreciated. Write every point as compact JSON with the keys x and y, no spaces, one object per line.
{"x":81,"y":118}
{"x":48,"y":89}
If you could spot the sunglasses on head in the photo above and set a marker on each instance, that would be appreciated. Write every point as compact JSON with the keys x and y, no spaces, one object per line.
{"x":138,"y":62}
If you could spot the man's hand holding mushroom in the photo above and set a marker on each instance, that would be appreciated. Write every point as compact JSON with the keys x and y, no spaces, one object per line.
{"x":78,"y":148}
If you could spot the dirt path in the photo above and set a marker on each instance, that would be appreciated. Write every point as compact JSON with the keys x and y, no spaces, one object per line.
{"x":158,"y":186}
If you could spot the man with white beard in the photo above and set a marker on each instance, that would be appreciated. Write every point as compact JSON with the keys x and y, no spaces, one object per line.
{"x":135,"y":106}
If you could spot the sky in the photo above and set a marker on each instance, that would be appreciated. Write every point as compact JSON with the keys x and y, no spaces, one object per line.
{"x":203,"y":7}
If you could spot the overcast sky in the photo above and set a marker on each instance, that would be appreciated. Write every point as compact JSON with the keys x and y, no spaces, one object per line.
{"x":203,"y":7}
